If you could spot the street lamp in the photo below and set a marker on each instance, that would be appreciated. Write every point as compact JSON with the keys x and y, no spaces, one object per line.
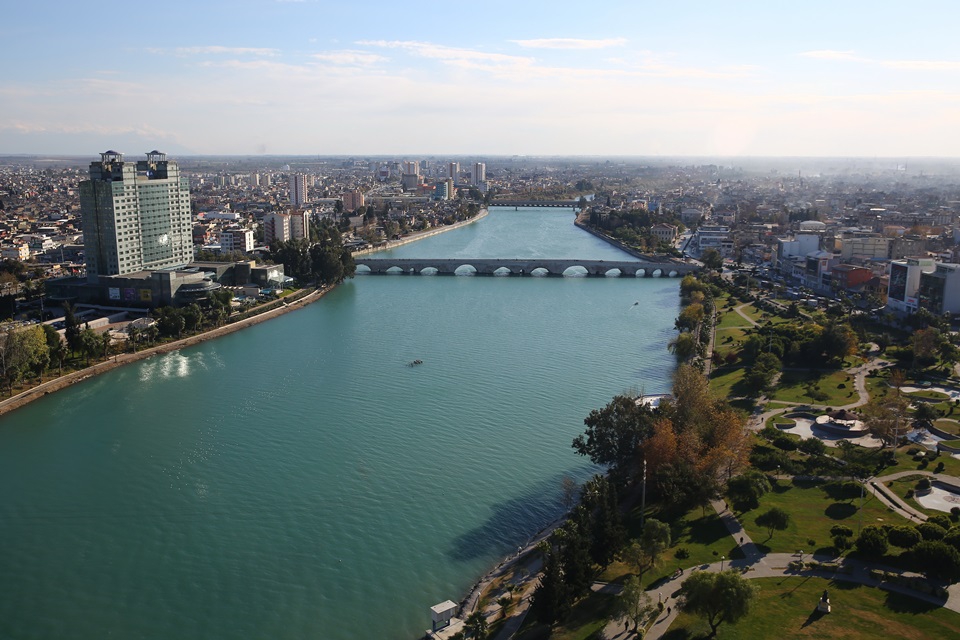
{"x":722,"y":558}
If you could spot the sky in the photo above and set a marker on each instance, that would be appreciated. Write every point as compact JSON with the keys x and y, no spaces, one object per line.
{"x":604,"y":78}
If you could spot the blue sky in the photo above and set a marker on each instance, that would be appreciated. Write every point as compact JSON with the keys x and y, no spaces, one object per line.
{"x":840,"y":78}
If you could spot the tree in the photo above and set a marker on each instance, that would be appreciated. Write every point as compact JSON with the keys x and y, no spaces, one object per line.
{"x":614,"y":434}
{"x":551,"y":600}
{"x":71,"y":327}
{"x":90,"y":343}
{"x":644,"y":553}
{"x":886,"y":418}
{"x":760,"y":376}
{"x":925,"y":414}
{"x":634,"y":604}
{"x":838,"y":341}
{"x":684,"y":346}
{"x":711,"y":259}
{"x":937,"y":560}
{"x":774,"y":519}
{"x":719,"y":597}
{"x":872,"y":541}
{"x":746,"y":490}
{"x":477,"y":624}
{"x":904,"y":537}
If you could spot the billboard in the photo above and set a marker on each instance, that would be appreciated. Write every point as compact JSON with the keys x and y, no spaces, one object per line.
{"x":146,"y":295}
{"x":114,"y":293}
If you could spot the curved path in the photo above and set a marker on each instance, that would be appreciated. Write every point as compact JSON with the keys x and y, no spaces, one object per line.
{"x":773,"y":565}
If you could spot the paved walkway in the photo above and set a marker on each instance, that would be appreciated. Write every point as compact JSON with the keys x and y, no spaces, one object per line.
{"x":772,"y":565}
{"x":740,"y":312}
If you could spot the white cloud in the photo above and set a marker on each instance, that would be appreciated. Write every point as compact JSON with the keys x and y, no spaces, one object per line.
{"x":349,"y":57}
{"x":448,"y":54}
{"x":571,"y":43}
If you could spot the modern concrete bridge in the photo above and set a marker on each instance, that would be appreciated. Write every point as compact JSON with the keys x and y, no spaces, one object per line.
{"x":523,"y":266}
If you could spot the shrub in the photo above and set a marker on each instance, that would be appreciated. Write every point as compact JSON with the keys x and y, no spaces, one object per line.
{"x":931,"y":531}
{"x":923,"y":484}
{"x":938,"y":560}
{"x":872,"y":541}
{"x":904,"y":537}
{"x":682,"y":553}
{"x":784,"y":442}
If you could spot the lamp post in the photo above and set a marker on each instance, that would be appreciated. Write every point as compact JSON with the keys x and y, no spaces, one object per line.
{"x":722,"y":558}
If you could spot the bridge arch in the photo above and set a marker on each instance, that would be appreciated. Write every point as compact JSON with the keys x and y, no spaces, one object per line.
{"x":575,"y":271}
{"x":465,"y":270}
{"x":502,"y":272}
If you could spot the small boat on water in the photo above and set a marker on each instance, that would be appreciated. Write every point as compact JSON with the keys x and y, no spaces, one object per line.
{"x":415,"y":363}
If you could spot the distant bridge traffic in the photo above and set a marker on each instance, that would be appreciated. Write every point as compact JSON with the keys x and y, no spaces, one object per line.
{"x":522,"y":267}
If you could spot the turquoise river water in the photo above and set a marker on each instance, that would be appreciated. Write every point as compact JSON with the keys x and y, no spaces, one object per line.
{"x":298,"y":479}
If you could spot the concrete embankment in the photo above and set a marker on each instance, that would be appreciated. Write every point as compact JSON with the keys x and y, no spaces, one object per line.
{"x":393,"y":244}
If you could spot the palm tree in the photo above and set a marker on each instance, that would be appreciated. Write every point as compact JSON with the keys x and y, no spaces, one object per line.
{"x":477,"y":624}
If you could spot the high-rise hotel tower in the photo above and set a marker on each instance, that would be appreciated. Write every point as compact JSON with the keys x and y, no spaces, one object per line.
{"x":136,"y":216}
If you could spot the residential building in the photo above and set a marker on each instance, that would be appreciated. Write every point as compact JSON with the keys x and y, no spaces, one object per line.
{"x":444,"y":190}
{"x":236,"y":240}
{"x":352,"y":200}
{"x":276,"y":226}
{"x":847,"y":277}
{"x":298,"y":189}
{"x":136,"y":215}
{"x":300,"y":224}
{"x":479,"y":173}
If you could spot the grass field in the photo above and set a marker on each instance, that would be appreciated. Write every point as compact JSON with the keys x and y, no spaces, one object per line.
{"x":814,"y":508}
{"x":785,"y":608}
{"x":723,"y":380}
{"x":793,"y":387}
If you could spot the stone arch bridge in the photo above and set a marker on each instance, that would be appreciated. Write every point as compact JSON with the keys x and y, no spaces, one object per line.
{"x":524,"y":267}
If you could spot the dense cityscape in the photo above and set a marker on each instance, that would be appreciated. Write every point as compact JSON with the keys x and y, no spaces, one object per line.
{"x":499,"y":321}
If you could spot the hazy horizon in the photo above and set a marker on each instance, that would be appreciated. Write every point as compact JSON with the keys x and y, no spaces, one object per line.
{"x":616,"y":79}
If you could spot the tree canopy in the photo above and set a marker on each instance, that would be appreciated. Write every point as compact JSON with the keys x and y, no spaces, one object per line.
{"x":719,"y":597}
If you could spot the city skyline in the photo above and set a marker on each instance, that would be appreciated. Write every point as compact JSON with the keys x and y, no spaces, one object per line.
{"x":313,"y":77}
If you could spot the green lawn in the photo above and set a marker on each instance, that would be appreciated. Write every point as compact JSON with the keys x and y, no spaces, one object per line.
{"x":785,"y":609}
{"x":814,"y":508}
{"x":928,"y":394}
{"x":722,"y":380}
{"x":948,"y":425}
{"x":792,"y":387}
{"x":905,"y":462}
{"x":731,"y":319}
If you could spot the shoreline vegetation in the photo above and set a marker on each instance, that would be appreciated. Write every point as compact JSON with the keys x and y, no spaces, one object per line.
{"x":266,"y":312}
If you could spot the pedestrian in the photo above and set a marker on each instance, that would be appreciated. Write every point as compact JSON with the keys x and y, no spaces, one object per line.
{"x":741,"y":541}
{"x":668,"y":610}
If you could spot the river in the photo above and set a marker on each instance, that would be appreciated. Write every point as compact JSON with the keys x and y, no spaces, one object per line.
{"x":298,"y":479}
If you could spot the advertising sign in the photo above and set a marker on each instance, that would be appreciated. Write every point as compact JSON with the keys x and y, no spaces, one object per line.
{"x":114,"y":293}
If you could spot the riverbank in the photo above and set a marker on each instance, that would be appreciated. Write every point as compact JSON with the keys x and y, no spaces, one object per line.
{"x":393,"y":244}
{"x":61,"y":382}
